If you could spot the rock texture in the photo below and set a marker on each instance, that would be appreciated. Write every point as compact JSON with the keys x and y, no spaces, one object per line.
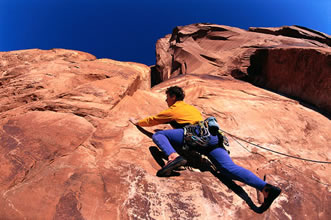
{"x":296,"y":32}
{"x":299,"y":68}
{"x":67,"y":150}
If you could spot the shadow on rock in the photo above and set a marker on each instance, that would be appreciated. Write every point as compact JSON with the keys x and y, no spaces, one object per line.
{"x":197,"y":161}
{"x":158,"y":155}
{"x":237,"y":189}
{"x":145,"y":132}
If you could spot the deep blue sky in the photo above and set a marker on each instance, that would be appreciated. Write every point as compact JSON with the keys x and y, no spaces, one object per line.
{"x":127,"y":30}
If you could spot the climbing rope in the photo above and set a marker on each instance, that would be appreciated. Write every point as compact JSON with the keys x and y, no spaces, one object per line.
{"x":287,"y":155}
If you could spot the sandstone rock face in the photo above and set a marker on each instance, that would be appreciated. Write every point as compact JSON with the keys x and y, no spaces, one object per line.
{"x":302,"y":73}
{"x":282,"y":64}
{"x":295,"y":31}
{"x":76,"y":78}
{"x":67,"y":150}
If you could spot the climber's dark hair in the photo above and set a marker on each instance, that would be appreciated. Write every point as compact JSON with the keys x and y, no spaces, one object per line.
{"x":176,"y":91}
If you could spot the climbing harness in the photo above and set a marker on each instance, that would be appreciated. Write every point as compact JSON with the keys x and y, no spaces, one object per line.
{"x":197,"y":136}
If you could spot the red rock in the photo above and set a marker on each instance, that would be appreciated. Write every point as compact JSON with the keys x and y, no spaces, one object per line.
{"x":67,"y":150}
{"x":226,"y":51}
{"x":295,"y":31}
{"x":302,"y":73}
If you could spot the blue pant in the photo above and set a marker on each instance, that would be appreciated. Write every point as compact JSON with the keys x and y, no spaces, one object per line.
{"x":167,"y":140}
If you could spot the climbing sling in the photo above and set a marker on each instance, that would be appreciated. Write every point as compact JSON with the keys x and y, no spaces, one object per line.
{"x":197,"y":136}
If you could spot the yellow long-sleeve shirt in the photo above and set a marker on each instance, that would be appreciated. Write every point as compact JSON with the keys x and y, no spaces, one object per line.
{"x":181,"y":113}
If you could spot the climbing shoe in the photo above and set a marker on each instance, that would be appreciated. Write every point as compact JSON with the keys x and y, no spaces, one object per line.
{"x":171,"y":165}
{"x":273,"y":193}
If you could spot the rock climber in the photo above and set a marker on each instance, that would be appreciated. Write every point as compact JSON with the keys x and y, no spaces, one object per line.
{"x":178,"y":115}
